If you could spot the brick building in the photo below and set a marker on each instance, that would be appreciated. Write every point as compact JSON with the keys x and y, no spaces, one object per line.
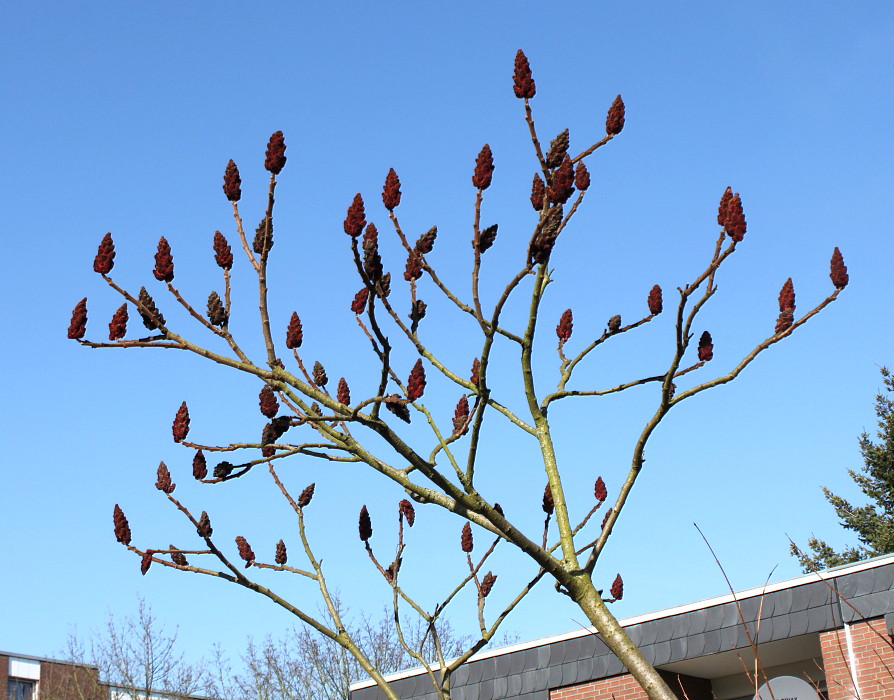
{"x":830,"y":634}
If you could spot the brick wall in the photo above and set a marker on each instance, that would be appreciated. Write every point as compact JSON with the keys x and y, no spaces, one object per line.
{"x":626,"y":688}
{"x":874,"y":662}
{"x":4,"y":674}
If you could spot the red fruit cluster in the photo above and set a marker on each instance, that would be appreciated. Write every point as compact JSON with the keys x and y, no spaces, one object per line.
{"x":146,"y":561}
{"x":599,"y":490}
{"x":486,"y":238}
{"x":538,"y":190}
{"x":177,"y":556}
{"x":150,"y":314}
{"x":731,"y":216}
{"x":426,"y":241}
{"x":614,"y":323}
{"x":466,"y":539}
{"x":275,"y":157}
{"x":365,"y":525}
{"x":838,"y":271}
{"x":614,"y":121}
{"x":417,"y":311}
{"x":223,"y":255}
{"x":413,"y":269}
{"x":566,"y":325}
{"x":105,"y":256}
{"x":656,"y":303}
{"x":267,"y":401}
{"x":222,"y":470}
{"x":294,"y":333}
{"x":405,"y":509}
{"x":122,"y":529}
{"x":232,"y":182}
{"x":306,"y":495}
{"x":199,"y":466}
{"x":118,"y":324}
{"x":217,"y":313}
{"x":558,"y":148}
{"x":78,"y":326}
{"x":281,"y":556}
{"x":204,"y":527}
{"x":321,"y":379}
{"x":476,"y":368}
{"x":180,"y":428}
{"x":372,"y":262}
{"x":163,"y":483}
{"x":522,"y":80}
{"x":705,"y":347}
{"x":398,"y":407}
{"x":786,"y":307}
{"x":391,"y":191}
{"x":416,"y":382}
{"x":487,"y":584}
{"x":164,"y":262}
{"x":344,"y":393}
{"x":460,"y":415}
{"x":582,"y":177}
{"x":356,"y":218}
{"x":359,"y":303}
{"x":484,"y":168}
{"x":617,"y":589}
{"x":548,"y":504}
{"x":245,"y":551}
{"x":562,"y":186}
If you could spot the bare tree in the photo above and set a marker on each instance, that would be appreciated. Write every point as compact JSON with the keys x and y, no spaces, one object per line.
{"x":311,"y":417}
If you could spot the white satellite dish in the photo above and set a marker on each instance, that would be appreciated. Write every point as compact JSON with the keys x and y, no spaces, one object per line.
{"x":787,"y":688}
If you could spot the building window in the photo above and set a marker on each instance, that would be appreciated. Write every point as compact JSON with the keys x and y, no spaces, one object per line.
{"x":19,"y":689}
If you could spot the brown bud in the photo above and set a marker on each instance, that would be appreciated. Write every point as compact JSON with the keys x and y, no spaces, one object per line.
{"x":365,"y":525}
{"x":245,"y":551}
{"x":614,"y":121}
{"x":320,"y":377}
{"x":787,"y":296}
{"x":656,"y":304}
{"x":398,"y":407}
{"x":460,"y":415}
{"x":356,"y":218}
{"x":617,"y":589}
{"x":217,"y":313}
{"x":785,"y":320}
{"x":487,"y":584}
{"x":306,"y":495}
{"x":146,"y":561}
{"x":281,"y":555}
{"x":466,"y":539}
{"x":582,"y":177}
{"x":614,"y":323}
{"x":275,"y":157}
{"x":180,"y":428}
{"x":177,"y":556}
{"x":705,"y":347}
{"x":78,"y":326}
{"x":232,"y":182}
{"x":267,"y":401}
{"x":562,"y":186}
{"x":486,"y":238}
{"x":723,"y":208}
{"x":476,"y":369}
{"x":118,"y":325}
{"x":484,"y":169}
{"x":413,"y":269}
{"x":164,"y":261}
{"x":359,"y":303}
{"x":263,"y":240}
{"x":522,"y":80}
{"x":372,"y":262}
{"x":558,"y":148}
{"x":294,"y":333}
{"x":548,"y":505}
{"x":151,"y":316}
{"x":223,"y":255}
{"x":204,"y":527}
{"x":392,"y":569}
{"x":838,"y":272}
{"x":163,"y":482}
{"x":538,"y":190}
{"x":122,"y":529}
{"x":222,"y":470}
{"x":391,"y":191}
{"x":566,"y":325}
{"x":599,"y":490}
{"x":199,"y":466}
{"x":405,"y":509}
{"x":426,"y":241}
{"x":344,"y":393}
{"x":105,"y":256}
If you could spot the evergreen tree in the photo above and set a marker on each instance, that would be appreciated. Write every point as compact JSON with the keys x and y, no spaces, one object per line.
{"x":873,"y":523}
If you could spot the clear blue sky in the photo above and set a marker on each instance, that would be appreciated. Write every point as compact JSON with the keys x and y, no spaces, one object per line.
{"x":120,"y":116}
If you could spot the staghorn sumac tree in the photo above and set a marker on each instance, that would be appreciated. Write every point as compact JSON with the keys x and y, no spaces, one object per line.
{"x":312,"y":416}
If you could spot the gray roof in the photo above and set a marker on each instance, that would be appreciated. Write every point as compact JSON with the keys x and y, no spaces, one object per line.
{"x":778,"y":611}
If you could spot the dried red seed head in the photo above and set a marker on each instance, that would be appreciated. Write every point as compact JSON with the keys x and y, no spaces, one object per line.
{"x":614,"y":323}
{"x":466,"y":539}
{"x":723,"y":208}
{"x":484,"y":169}
{"x":199,"y":466}
{"x":217,"y":312}
{"x":122,"y":529}
{"x":118,"y":325}
{"x":460,"y":415}
{"x":306,"y":495}
{"x":617,"y":589}
{"x":705,"y":347}
{"x":365,"y":525}
{"x":522,"y":79}
{"x":78,"y":326}
{"x":294,"y":333}
{"x":838,"y":271}
{"x":177,"y":556}
{"x":164,"y":262}
{"x":281,"y":555}
{"x":599,"y":490}
{"x":222,"y":470}
{"x":487,"y":237}
{"x":416,"y":382}
{"x":582,"y":177}
{"x":356,"y":218}
{"x":614,"y":121}
{"x":267,"y":401}
{"x":344,"y":393}
{"x":405,"y":509}
{"x":232,"y":182}
{"x":538,"y":190}
{"x":787,"y":296}
{"x":417,"y":311}
{"x":398,"y":406}
{"x":204,"y":527}
{"x":655,"y":301}
{"x":163,"y":482}
{"x":734,"y":218}
{"x":105,"y":256}
{"x":785,"y":320}
{"x":548,"y":504}
{"x":372,"y":262}
{"x":263,"y":240}
{"x":146,"y":561}
{"x":566,"y":325}
{"x":359,"y":303}
{"x":320,"y":376}
{"x":152,"y":318}
{"x":413,"y":269}
{"x":487,"y":584}
{"x":245,"y":551}
{"x":426,"y":241}
{"x":275,"y":157}
{"x":476,"y":369}
{"x":223,"y":255}
{"x":562,"y":186}
{"x":180,"y":428}
{"x":391,"y":191}
{"x":558,"y":148}
{"x":605,"y":518}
